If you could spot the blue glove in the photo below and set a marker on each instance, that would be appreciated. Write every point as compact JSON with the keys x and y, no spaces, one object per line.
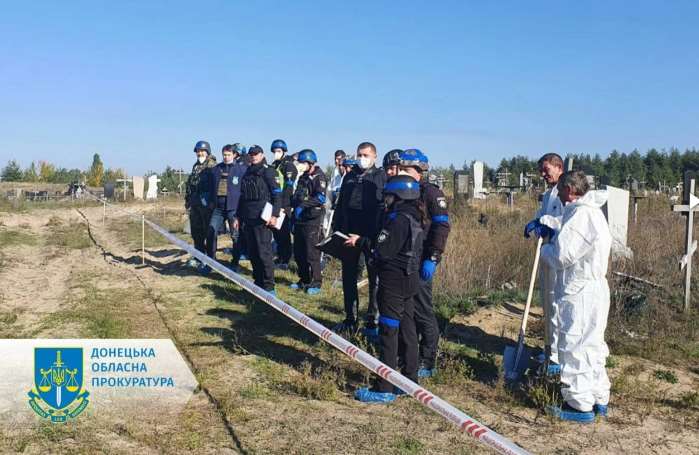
{"x":427,"y":270}
{"x":297,"y":212}
{"x":540,"y":230}
{"x":531,"y":226}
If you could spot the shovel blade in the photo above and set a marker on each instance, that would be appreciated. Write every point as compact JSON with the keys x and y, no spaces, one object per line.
{"x":512,"y":371}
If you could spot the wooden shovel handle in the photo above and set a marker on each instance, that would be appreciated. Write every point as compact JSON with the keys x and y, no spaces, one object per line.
{"x":530,"y":294}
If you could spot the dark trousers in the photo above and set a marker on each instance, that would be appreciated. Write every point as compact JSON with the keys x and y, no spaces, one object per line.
{"x":258,"y":240}
{"x":238,"y":244}
{"x":307,"y":256}
{"x":397,"y":341}
{"x":283,"y":238}
{"x":426,"y":324}
{"x":350,"y":273}
{"x":199,"y":218}
{"x":216,"y":225}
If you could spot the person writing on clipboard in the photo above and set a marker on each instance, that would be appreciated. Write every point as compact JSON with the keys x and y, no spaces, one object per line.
{"x":258,"y":188}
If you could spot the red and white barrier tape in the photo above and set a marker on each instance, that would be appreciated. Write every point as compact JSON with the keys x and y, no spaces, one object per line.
{"x":465,"y":423}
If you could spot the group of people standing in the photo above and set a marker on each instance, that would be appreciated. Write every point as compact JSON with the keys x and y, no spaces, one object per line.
{"x":397,"y":223}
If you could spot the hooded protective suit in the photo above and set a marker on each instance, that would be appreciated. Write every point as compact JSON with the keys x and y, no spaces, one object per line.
{"x":552,"y":211}
{"x":579,"y":253}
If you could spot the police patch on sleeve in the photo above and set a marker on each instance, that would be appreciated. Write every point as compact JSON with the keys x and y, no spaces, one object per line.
{"x":382,"y":236}
{"x":322,"y":184}
{"x":442,"y":202}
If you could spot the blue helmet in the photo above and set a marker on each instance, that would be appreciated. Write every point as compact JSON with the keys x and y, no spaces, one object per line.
{"x":403,"y":187}
{"x":278,"y":144}
{"x":202,"y":145}
{"x":392,"y":158}
{"x":255,"y":149}
{"x":239,"y":148}
{"x":414,"y":158}
{"x":350,"y":161}
{"x":307,"y":156}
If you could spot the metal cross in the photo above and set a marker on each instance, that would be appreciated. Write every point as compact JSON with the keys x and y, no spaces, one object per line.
{"x":691,"y":245}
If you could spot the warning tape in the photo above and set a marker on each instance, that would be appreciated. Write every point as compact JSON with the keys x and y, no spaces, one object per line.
{"x":464,"y":422}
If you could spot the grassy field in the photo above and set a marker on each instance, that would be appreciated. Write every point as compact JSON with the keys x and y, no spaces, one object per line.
{"x":269,"y":386}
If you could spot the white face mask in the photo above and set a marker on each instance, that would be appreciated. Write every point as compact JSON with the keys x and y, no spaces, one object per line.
{"x":201,"y":159}
{"x":278,"y":155}
{"x":365,"y":162}
{"x":402,"y":172}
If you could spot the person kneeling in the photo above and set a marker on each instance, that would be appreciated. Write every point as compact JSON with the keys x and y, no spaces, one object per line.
{"x":397,"y":257}
{"x":579,"y":253}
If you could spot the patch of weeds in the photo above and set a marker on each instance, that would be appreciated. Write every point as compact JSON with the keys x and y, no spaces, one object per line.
{"x":543,"y":393}
{"x":453,"y":370}
{"x":13,"y":237}
{"x":255,"y":391}
{"x":9,"y":317}
{"x":689,"y":400}
{"x":316,"y":383}
{"x":666,"y":375}
{"x":611,"y":362}
{"x":639,"y":397}
{"x":54,"y":221}
{"x":406,"y":445}
{"x":71,"y":236}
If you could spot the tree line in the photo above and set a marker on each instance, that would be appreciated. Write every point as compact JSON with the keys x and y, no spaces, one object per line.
{"x":46,"y":172}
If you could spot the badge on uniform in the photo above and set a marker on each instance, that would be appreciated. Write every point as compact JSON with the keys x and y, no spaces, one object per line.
{"x":235,"y":180}
{"x":442,"y":202}
{"x":382,"y":236}
{"x":322,"y":184}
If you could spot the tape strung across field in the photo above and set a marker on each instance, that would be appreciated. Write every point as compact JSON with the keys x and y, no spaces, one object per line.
{"x":465,"y":423}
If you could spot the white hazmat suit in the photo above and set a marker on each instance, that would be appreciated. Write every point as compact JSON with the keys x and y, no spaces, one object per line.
{"x":551,"y":207}
{"x":579,"y":253}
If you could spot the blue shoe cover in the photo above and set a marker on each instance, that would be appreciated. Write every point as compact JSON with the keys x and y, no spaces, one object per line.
{"x":372,"y":335}
{"x":553,"y":369}
{"x":281,"y":266}
{"x":243,"y":257}
{"x":294,"y":286}
{"x":365,"y":395}
{"x":426,"y":372}
{"x":600,"y":410}
{"x":313,"y":291}
{"x":571,"y":415}
{"x":273,"y":292}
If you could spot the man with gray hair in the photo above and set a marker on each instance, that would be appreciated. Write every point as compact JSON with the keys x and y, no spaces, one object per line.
{"x":550,"y":169}
{"x":579,"y":254}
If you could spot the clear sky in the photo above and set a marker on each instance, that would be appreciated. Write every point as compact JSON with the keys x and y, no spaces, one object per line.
{"x":140,"y":81}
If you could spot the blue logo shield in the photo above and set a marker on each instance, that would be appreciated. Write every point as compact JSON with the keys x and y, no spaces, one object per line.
{"x":58,"y":383}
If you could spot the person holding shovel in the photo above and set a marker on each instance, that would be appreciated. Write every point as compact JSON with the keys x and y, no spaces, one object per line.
{"x":550,"y":169}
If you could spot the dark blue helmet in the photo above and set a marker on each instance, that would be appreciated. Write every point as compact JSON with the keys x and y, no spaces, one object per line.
{"x":414,"y":158}
{"x":202,"y":145}
{"x":278,"y":144}
{"x":255,"y":149}
{"x":239,"y":148}
{"x":403,"y":187}
{"x":392,"y":158}
{"x":307,"y":156}
{"x":350,"y":161}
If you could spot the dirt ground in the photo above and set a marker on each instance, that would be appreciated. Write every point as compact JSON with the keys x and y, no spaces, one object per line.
{"x":267,"y":385}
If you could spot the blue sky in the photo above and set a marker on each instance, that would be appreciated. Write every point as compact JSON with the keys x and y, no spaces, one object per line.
{"x":140,"y":81}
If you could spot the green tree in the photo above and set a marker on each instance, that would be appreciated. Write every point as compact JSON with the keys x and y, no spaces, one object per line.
{"x":30,"y":175}
{"x":12,"y":172}
{"x":96,"y":173}
{"x":46,"y":171}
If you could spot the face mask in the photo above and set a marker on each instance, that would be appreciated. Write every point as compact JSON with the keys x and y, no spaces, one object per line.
{"x":278,"y":155}
{"x":402,"y":172}
{"x":304,"y":167}
{"x":201,"y":159}
{"x":365,"y":162}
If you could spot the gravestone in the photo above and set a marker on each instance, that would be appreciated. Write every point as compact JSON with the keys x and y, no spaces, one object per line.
{"x":616,"y":210}
{"x":477,"y":183}
{"x":109,"y":191}
{"x":461,"y":184}
{"x":138,"y":184}
{"x":152,"y":187}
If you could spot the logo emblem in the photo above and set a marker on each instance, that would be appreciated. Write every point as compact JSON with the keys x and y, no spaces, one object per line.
{"x":58,"y":392}
{"x":382,"y":237}
{"x":235,"y":180}
{"x":442,"y":202}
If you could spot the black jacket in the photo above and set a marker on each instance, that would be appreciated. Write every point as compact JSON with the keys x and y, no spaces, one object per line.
{"x":289,"y":174}
{"x":360,"y":204}
{"x":258,"y":187}
{"x":438,"y":227}
{"x":310,"y":196}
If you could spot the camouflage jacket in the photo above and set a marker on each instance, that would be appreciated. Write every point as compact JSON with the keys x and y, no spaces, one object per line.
{"x":196,"y":183}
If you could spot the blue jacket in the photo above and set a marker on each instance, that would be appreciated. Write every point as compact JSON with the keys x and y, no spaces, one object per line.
{"x":235,"y":174}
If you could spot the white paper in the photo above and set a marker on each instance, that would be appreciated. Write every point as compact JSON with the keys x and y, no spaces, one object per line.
{"x":267,"y":214}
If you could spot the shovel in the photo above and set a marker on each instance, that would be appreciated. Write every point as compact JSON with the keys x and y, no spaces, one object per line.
{"x":516,"y":359}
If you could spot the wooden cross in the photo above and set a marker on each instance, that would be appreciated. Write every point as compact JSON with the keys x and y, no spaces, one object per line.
{"x":124,"y":181}
{"x":180,"y":173}
{"x":691,"y":245}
